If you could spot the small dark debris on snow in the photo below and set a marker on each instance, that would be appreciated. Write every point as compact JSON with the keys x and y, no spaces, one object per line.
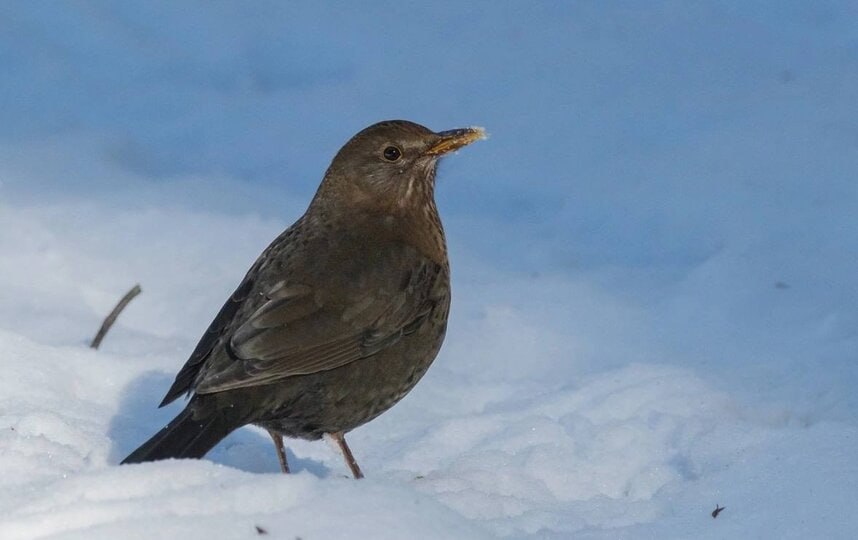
{"x":717,"y":511}
{"x":781,"y":285}
{"x":260,"y":530}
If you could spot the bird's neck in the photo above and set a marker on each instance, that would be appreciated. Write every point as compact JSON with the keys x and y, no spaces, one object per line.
{"x":408,"y":215}
{"x":423,"y":229}
{"x":419,"y":226}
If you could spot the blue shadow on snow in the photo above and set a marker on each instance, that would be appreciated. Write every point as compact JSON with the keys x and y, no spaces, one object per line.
{"x":139,"y":417}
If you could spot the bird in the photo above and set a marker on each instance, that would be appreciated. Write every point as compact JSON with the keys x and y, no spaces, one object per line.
{"x":339,"y":317}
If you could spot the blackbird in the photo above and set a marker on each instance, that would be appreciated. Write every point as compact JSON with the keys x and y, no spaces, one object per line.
{"x":340,"y":315}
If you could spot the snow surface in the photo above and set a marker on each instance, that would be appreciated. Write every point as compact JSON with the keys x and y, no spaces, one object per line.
{"x":655,"y":296}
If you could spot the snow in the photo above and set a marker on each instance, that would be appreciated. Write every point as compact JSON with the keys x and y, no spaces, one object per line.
{"x":653,"y":263}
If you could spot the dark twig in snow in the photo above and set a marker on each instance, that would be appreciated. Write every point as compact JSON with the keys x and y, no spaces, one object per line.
{"x":717,"y":511}
{"x":108,"y":322}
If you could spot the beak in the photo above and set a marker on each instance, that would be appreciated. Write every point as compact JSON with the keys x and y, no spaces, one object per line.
{"x":452,"y":140}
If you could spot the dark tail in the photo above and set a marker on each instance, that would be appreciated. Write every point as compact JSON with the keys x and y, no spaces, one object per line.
{"x":185,"y":437}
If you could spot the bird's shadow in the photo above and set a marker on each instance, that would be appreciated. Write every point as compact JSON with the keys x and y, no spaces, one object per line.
{"x":138,"y":418}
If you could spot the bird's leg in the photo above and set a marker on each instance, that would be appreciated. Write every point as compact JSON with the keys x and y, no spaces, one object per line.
{"x":340,"y":439}
{"x":281,"y":451}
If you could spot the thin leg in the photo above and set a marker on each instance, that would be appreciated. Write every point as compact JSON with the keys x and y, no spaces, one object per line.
{"x":281,"y":451}
{"x":347,"y":454}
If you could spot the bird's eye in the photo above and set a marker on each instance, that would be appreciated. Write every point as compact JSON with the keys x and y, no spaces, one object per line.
{"x":392,"y":153}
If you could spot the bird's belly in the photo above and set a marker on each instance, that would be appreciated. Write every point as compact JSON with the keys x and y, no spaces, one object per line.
{"x":342,"y":399}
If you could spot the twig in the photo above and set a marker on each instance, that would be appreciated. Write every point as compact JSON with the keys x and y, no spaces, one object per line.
{"x":108,"y":322}
{"x":718,"y":510}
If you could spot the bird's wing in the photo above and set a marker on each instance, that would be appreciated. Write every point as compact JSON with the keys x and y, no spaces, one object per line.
{"x":296,"y":331}
{"x":209,"y":340}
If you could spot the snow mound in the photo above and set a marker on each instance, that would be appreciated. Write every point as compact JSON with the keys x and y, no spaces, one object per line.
{"x":609,"y":455}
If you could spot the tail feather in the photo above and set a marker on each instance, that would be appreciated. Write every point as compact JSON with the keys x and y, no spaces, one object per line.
{"x":184,"y":437}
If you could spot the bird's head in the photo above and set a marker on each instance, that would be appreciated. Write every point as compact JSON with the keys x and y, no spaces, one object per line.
{"x":390,"y":166}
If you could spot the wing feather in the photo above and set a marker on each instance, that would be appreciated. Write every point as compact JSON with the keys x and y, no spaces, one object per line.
{"x":296,"y":332}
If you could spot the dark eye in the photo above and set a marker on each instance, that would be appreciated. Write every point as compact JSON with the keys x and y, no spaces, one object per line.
{"x":392,"y":153}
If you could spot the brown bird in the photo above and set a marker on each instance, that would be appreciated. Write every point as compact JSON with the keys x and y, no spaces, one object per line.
{"x":339,"y":317}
